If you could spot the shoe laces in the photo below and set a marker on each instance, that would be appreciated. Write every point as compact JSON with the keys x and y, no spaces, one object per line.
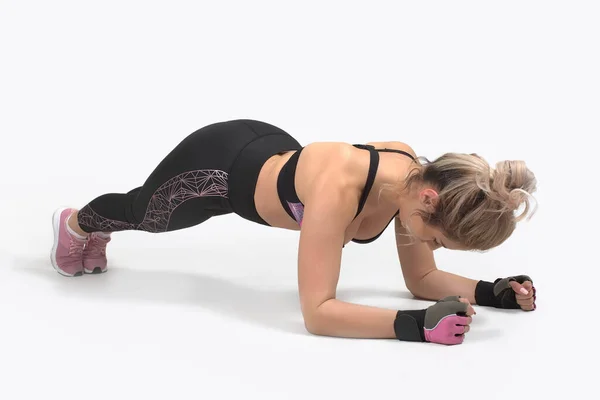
{"x":96,"y":247}
{"x":76,"y":247}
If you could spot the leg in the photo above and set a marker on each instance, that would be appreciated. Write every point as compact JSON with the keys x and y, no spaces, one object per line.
{"x":184,"y":200}
{"x":187,"y":188}
{"x":114,"y":202}
{"x":196,"y":169}
{"x":186,"y":207}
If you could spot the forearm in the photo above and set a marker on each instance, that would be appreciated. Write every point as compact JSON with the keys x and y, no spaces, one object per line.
{"x":341,"y":319}
{"x":438,"y":284}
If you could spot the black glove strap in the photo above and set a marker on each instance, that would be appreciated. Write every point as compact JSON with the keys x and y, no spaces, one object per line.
{"x":498,"y":294}
{"x":408,"y":325}
{"x":484,"y":294}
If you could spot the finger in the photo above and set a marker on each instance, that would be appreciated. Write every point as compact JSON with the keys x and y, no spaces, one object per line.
{"x":460,"y":330}
{"x":462,"y":321}
{"x":470,"y":309}
{"x":530,"y":289}
{"x":528,"y":307}
{"x":518,"y":288}
{"x":529,"y":300}
{"x":522,"y":296}
{"x":525,"y":302}
{"x":457,"y":339}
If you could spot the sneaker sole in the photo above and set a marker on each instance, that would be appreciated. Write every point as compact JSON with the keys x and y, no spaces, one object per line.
{"x":56,"y":227}
{"x":96,"y":270}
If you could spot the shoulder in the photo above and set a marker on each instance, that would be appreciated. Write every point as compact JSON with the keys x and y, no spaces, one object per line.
{"x":333,"y":164}
{"x":331,"y":172}
{"x":394,"y":146}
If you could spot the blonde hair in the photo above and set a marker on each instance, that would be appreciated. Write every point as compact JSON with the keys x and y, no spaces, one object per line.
{"x":477,"y":204}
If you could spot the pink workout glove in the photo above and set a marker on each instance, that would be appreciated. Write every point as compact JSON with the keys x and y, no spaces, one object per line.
{"x":445,"y":322}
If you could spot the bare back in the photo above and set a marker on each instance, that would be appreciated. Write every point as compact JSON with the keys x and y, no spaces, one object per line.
{"x":351,"y":165}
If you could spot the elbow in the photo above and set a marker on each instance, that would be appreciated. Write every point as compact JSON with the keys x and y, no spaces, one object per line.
{"x":312,"y":325}
{"x":314,"y":320}
{"x":419,"y":286}
{"x":415,"y":288}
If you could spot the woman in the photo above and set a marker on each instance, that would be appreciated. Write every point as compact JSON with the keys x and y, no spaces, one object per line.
{"x":333,"y":193}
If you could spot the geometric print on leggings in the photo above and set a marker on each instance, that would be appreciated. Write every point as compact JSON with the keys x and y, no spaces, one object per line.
{"x":177,"y":190}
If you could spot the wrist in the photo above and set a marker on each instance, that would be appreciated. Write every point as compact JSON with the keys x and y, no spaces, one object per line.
{"x":484,"y":294}
{"x":409,"y":325}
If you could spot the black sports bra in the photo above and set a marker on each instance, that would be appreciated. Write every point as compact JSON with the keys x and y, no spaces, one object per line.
{"x":288,"y":197}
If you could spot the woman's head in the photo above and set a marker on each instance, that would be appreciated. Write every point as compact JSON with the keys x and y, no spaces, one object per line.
{"x":466,"y":201}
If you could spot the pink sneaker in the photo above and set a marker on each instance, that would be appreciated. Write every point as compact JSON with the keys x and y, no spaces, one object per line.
{"x":67,"y":250}
{"x":94,"y":254}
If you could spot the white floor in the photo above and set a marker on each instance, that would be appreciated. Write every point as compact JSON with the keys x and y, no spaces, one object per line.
{"x":213,"y":313}
{"x":92,"y":97}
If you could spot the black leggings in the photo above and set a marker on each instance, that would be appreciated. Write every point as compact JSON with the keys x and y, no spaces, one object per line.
{"x":211,"y":172}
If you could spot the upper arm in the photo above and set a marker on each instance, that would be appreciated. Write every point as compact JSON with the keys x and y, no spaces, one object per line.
{"x":416,"y":259}
{"x":327,"y":214}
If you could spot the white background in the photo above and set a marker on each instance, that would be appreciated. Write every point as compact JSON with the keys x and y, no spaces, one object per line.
{"x":94,"y":94}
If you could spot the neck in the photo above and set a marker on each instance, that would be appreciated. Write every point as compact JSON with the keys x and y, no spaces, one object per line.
{"x":390,"y":185}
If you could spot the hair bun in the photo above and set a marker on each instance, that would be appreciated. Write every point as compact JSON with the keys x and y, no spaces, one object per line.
{"x":513,"y":183}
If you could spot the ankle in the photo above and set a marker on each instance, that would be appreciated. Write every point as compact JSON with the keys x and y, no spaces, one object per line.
{"x":74,"y":225}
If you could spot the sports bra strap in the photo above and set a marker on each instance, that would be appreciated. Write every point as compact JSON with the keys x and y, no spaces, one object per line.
{"x":384,"y":150}
{"x":373,"y":164}
{"x":396,"y":151}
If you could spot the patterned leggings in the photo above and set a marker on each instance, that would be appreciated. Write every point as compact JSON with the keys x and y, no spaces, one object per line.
{"x":191,"y":184}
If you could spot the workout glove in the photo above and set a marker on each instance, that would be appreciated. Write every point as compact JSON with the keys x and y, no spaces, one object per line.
{"x":499,"y":294}
{"x":444,"y":322}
